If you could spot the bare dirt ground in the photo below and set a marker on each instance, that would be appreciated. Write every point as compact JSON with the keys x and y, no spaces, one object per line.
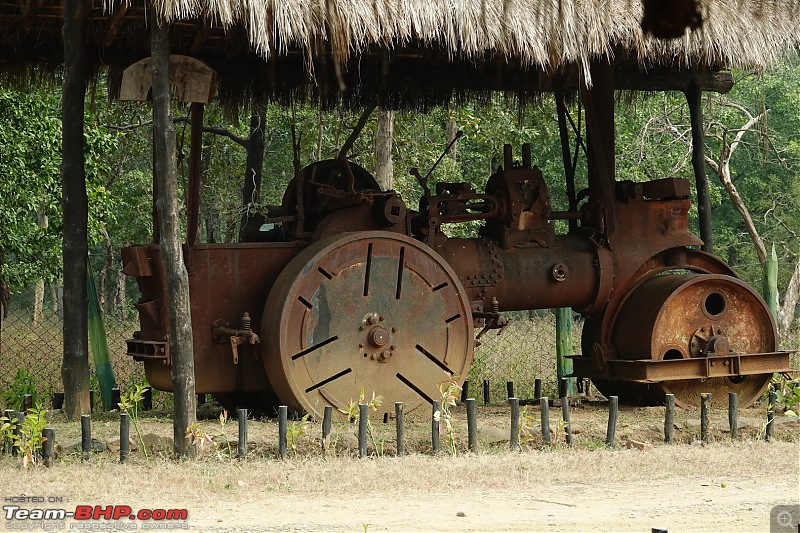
{"x":721,"y":486}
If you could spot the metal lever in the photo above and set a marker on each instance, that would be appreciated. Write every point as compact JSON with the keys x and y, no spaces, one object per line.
{"x":220,"y":329}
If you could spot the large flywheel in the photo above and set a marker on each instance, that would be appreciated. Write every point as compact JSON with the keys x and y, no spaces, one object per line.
{"x":372,"y":310}
{"x":685,"y":317}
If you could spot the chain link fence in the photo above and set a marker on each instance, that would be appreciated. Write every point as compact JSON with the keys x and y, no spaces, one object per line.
{"x":32,"y":344}
{"x":31,"y":347}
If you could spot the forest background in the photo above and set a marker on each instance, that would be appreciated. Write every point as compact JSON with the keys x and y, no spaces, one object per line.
{"x":752,"y":149}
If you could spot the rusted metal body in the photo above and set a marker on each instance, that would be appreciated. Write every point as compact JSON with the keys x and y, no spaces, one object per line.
{"x":353,"y":290}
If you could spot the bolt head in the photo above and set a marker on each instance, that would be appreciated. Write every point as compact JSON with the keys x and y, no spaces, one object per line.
{"x":372,"y":319}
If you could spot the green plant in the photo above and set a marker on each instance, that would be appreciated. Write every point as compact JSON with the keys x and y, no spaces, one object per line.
{"x":449,"y":392}
{"x":201,"y":436}
{"x":787,"y":392}
{"x":23,"y":383}
{"x":295,"y":430}
{"x":129,"y":403}
{"x":527,"y":422}
{"x":352,"y":413}
{"x":29,"y":440}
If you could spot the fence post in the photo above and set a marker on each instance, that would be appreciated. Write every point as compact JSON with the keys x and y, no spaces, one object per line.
{"x":669,"y":418}
{"x":472,"y":425}
{"x":147,"y":399}
{"x":242,"y":419}
{"x":705,"y":406}
{"x":49,"y":436}
{"x":545,"y":407}
{"x":86,"y":436}
{"x":509,"y":389}
{"x":435,"y":417}
{"x":124,"y":437}
{"x":613,"y":413}
{"x":514,"y":423}
{"x":537,"y":389}
{"x":485,"y":392}
{"x":564,"y":346}
{"x":283,"y":414}
{"x":362,"y":430}
{"x":327,"y":414}
{"x":465,"y":391}
{"x":773,"y":399}
{"x":401,"y":430}
{"x":733,"y":414}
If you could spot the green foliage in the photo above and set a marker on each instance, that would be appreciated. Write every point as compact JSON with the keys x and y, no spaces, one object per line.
{"x":30,"y":191}
{"x":129,"y":403}
{"x":352,"y":413}
{"x":201,"y":436}
{"x":295,"y":430}
{"x":449,"y":391}
{"x":23,"y":383}
{"x":29,"y":439}
{"x":787,"y":392}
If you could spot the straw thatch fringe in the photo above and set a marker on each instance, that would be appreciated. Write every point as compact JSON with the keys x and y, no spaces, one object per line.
{"x":546,"y":33}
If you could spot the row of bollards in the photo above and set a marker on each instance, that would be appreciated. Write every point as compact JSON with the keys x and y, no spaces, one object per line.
{"x":537,"y":390}
{"x":363,"y":428}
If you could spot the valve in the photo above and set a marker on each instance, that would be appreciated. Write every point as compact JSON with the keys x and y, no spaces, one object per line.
{"x":494,"y":320}
{"x":221,"y":329}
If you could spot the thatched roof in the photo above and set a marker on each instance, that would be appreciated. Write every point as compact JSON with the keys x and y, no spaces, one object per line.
{"x":404,"y":47}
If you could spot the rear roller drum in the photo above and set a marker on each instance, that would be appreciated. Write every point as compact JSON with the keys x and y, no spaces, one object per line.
{"x":683,"y":316}
{"x":376,"y":311}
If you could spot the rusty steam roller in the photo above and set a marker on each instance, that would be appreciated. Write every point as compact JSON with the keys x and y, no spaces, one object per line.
{"x":348,"y":288}
{"x":345,"y":287}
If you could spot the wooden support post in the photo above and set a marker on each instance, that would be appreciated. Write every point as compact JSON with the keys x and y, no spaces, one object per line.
{"x":733,"y":414}
{"x":485,"y":392}
{"x":75,"y":204}
{"x":613,"y":414}
{"x":669,"y":418}
{"x":49,"y":438}
{"x":283,"y":412}
{"x":693,"y":98}
{"x":564,"y":348}
{"x":86,"y":436}
{"x":514,"y":441}
{"x":242,"y":419}
{"x":363,"y":414}
{"x":124,"y":437}
{"x":472,"y":425}
{"x":705,"y":407}
{"x":537,"y":389}
{"x":437,"y":413}
{"x":401,"y":430}
{"x":177,"y":280}
{"x":327,"y":415}
{"x":544,"y":403}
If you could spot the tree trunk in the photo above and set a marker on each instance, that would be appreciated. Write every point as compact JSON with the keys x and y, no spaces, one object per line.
{"x":251,"y":188}
{"x":694,"y":99}
{"x":384,"y":135}
{"x":38,"y":294}
{"x":75,"y":366}
{"x":177,"y":279}
{"x":120,"y":294}
{"x":786,"y":310}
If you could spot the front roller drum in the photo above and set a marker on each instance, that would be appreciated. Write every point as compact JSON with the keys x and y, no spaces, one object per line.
{"x":374,"y":310}
{"x":683,"y":316}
